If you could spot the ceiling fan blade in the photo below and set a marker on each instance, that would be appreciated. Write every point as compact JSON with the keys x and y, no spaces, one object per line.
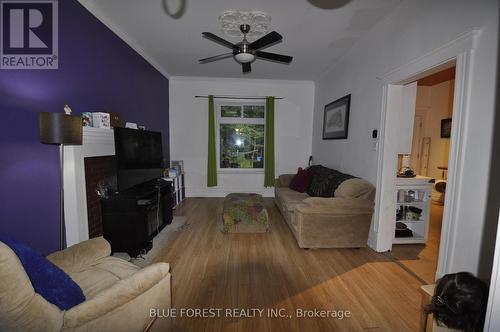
{"x":219,"y":40}
{"x":267,"y":40}
{"x":274,"y":56}
{"x":246,"y":67}
{"x":215,"y":58}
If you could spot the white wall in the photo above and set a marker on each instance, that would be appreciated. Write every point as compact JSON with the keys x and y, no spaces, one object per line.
{"x":435,"y":103}
{"x":413,"y":29}
{"x":188,"y":129}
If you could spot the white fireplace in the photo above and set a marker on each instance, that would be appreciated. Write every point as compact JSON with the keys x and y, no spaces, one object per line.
{"x":96,"y":142}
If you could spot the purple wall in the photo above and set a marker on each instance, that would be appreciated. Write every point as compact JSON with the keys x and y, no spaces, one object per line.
{"x":97,"y":71}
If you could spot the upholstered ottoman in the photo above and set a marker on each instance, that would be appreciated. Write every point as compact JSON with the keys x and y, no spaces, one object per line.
{"x":244,"y":213}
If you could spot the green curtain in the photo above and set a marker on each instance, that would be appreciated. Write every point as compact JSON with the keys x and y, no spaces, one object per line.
{"x":212,"y":158}
{"x":269,"y":144}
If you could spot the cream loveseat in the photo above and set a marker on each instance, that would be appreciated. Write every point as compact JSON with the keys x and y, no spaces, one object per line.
{"x":342,"y":221}
{"x":119,"y":295}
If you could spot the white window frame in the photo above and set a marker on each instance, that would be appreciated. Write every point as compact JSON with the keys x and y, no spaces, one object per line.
{"x":240,"y":120}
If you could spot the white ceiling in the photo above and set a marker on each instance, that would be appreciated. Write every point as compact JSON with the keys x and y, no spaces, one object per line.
{"x":315,"y":37}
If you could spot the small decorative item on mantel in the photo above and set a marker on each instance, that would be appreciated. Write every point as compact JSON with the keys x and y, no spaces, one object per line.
{"x":87,"y":119}
{"x":101,"y":120}
{"x":67,"y":109}
{"x":116,"y":120}
{"x":131,"y":125}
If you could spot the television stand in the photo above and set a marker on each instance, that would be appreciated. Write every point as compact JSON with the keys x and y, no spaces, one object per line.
{"x":132,"y":218}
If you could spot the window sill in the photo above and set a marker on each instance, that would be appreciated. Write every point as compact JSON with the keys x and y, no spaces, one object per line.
{"x":240,"y":171}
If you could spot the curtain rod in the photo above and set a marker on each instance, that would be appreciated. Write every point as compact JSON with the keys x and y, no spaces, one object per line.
{"x":238,"y":97}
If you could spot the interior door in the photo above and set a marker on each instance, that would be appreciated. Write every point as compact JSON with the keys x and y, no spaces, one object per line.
{"x":406,"y":117}
{"x":397,"y":139}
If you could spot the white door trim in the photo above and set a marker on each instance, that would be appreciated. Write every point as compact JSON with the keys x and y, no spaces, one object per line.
{"x":492,"y":321}
{"x":460,"y":49}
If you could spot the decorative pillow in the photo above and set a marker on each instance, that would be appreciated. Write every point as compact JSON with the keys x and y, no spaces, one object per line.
{"x":301,"y":180}
{"x":52,"y":283}
{"x":325,"y":181}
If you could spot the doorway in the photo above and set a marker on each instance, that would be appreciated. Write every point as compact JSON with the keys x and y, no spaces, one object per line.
{"x":396,"y":134}
{"x":428,"y":159}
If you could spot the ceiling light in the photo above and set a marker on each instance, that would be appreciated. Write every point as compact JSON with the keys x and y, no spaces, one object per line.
{"x":244,"y":57}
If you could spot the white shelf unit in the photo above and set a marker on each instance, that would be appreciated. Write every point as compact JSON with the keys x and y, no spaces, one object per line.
{"x":178,"y":190}
{"x":422,"y":189}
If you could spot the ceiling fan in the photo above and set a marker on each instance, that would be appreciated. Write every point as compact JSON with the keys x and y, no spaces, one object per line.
{"x":245,"y":52}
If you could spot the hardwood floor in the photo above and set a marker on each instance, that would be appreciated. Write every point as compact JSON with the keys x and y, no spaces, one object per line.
{"x":245,"y":271}
{"x":421,"y":259}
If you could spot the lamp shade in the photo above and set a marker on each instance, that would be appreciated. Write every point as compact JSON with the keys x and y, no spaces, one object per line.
{"x":60,"y":128}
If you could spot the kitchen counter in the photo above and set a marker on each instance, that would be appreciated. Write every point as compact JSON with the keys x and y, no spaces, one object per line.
{"x":419,"y":179}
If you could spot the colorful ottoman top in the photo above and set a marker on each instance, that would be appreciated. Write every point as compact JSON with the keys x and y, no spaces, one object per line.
{"x":244,"y":209}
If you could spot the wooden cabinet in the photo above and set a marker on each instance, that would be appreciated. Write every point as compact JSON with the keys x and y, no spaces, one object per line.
{"x":131,"y":219}
{"x":413,"y":198}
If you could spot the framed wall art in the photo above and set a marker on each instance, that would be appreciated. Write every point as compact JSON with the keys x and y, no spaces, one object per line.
{"x":336,"y":118}
{"x":445,"y":128}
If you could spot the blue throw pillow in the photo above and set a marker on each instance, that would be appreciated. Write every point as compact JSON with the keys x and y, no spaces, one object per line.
{"x":52,"y":283}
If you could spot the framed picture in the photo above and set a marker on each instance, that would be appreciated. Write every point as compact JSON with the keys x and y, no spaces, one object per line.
{"x":446,"y":128}
{"x":336,"y":118}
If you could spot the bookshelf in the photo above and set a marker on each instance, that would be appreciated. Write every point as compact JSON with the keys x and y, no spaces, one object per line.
{"x":176,"y":177}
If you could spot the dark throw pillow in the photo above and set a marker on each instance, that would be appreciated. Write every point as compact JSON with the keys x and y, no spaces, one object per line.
{"x":325,"y":181}
{"x":52,"y":283}
{"x":301,"y":180}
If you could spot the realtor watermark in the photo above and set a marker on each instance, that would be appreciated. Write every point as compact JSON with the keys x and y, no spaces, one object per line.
{"x":29,"y":34}
{"x":249,"y":313}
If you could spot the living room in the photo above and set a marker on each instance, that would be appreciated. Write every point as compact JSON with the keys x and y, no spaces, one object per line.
{"x":308,"y":256}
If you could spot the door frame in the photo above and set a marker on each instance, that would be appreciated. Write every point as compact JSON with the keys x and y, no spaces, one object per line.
{"x":460,"y":51}
{"x":492,"y":320}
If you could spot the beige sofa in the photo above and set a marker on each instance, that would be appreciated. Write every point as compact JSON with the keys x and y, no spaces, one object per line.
{"x":339,"y":222}
{"x":119,"y":295}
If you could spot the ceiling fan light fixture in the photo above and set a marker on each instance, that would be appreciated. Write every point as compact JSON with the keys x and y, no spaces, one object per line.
{"x":246,"y":52}
{"x":244,"y":57}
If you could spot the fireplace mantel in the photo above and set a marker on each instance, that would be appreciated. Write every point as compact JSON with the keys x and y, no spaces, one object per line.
{"x":96,"y":142}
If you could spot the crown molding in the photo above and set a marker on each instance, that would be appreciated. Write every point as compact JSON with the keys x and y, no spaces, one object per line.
{"x":240,"y":80}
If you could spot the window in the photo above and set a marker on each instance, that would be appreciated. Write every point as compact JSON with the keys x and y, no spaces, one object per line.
{"x":241,"y":135}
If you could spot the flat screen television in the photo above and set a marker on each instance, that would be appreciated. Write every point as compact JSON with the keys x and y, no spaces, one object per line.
{"x":139,"y":156}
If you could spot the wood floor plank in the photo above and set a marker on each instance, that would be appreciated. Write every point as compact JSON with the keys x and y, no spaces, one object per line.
{"x":269,"y":271}
{"x":421,"y":259}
